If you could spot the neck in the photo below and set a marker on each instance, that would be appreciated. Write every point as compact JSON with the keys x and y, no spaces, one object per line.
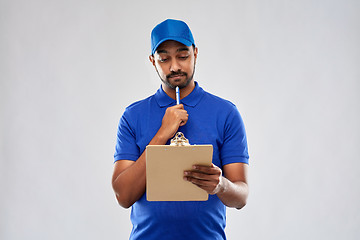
{"x":183,"y":91}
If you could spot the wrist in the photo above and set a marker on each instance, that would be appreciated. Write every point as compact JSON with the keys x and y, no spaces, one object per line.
{"x":222,"y":186}
{"x":159,"y":139}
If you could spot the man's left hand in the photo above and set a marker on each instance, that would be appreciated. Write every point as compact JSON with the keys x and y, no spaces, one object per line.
{"x":208,"y":178}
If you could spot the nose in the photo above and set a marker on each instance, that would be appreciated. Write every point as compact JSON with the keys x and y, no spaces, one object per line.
{"x":175,"y":66}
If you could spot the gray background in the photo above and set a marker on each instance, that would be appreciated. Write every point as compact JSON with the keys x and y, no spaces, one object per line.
{"x":69,"y":68}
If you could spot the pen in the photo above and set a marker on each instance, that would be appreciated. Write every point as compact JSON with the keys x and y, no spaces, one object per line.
{"x":177,"y":95}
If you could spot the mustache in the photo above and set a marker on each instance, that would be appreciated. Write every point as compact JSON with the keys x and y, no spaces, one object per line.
{"x":176,"y":74}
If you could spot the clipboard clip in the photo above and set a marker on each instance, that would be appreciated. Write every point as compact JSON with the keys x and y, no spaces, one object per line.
{"x":179,"y":140}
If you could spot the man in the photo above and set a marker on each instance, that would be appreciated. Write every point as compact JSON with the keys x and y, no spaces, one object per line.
{"x":204,"y":119}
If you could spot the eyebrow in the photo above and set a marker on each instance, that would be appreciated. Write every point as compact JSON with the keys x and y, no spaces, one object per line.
{"x":183,"y":49}
{"x":178,"y":50}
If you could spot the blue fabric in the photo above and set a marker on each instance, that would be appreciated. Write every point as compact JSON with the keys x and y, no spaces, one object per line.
{"x":212,"y":120}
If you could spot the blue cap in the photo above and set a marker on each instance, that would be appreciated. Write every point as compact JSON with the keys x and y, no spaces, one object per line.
{"x":171,"y":29}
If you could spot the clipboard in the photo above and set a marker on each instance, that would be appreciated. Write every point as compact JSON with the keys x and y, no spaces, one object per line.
{"x":165,"y":166}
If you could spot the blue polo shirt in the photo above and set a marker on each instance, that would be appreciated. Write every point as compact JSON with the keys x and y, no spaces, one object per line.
{"x":212,"y":120}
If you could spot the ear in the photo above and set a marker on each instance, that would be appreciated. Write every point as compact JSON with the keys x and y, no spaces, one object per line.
{"x":195,"y":52}
{"x":152,"y":60}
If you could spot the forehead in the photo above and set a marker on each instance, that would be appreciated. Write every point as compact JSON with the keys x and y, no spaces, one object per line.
{"x":170,"y":46}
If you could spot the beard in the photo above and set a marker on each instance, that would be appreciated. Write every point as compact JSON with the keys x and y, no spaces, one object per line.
{"x":182,"y":85}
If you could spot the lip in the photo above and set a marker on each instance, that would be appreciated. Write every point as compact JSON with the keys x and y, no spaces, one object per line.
{"x":177,"y":76}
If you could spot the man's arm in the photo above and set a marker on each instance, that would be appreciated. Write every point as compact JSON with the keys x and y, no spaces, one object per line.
{"x":232,"y":188}
{"x":129,"y":177}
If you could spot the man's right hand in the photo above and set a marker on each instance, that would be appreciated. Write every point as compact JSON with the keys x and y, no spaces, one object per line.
{"x":174,"y":117}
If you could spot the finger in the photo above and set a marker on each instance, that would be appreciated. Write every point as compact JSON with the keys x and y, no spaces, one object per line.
{"x":183,"y":122}
{"x":184,"y":119}
{"x":178,"y":106}
{"x":208,"y":186}
{"x":199,"y":175}
{"x":196,"y":181}
{"x":213,"y":169}
{"x":182,"y":113}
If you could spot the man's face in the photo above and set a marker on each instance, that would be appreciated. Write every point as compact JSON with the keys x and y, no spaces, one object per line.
{"x":175,"y":63}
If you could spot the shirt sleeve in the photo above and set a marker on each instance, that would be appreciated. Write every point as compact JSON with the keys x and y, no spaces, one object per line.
{"x":234,"y":148}
{"x":126,"y":147}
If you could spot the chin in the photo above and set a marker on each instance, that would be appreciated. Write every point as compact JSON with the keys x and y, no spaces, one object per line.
{"x":182,"y":83}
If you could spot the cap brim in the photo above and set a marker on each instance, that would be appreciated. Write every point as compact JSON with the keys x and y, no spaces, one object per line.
{"x":180,"y":40}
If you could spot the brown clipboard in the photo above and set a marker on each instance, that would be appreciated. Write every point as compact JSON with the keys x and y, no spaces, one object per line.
{"x":165,"y":166}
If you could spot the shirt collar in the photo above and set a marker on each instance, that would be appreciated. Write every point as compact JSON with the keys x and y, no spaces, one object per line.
{"x":190,"y":100}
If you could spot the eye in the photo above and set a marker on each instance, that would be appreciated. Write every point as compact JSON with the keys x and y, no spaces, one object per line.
{"x":183,"y":57}
{"x":163,"y":60}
